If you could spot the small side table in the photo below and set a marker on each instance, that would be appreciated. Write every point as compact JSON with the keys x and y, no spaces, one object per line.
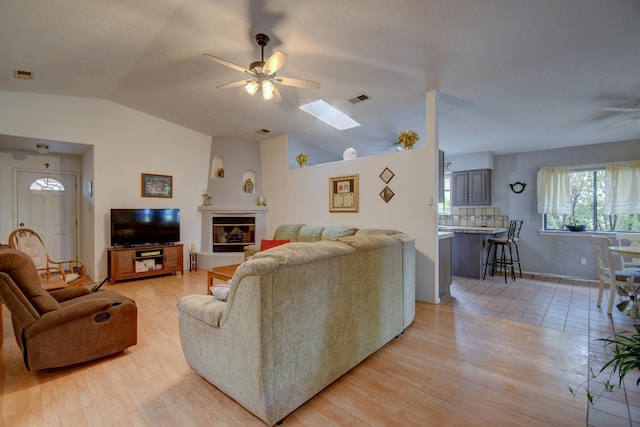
{"x":223,"y":273}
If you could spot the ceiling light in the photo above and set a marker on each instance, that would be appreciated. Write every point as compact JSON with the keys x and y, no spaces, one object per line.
{"x":267,"y":90}
{"x":251,"y":87}
{"x":330,"y":115}
{"x":42,"y":148}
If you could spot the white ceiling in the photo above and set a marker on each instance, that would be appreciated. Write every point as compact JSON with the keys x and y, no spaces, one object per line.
{"x":513,"y":75}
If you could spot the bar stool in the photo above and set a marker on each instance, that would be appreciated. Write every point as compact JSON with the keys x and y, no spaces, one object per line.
{"x":505,"y":244}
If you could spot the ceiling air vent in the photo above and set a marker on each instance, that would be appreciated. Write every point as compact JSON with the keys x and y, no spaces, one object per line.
{"x":359,"y":98}
{"x":23,"y":74}
{"x":263,"y":131}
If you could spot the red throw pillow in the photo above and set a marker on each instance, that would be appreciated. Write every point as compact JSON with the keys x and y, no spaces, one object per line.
{"x":268,"y":244}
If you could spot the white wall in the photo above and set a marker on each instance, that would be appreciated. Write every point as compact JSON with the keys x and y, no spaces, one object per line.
{"x":125,"y":143}
{"x":302,"y":196}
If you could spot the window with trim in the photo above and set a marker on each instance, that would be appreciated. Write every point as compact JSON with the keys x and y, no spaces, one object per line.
{"x":604,"y":198}
{"x":444,"y":208}
{"x":46,"y":184}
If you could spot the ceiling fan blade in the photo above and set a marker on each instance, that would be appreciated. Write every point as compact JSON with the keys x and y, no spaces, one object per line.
{"x":290,"y":81}
{"x":276,"y":95}
{"x":274,"y":62}
{"x":233,"y":84}
{"x":624,"y":122}
{"x":226,"y":63}
{"x":621,"y":109}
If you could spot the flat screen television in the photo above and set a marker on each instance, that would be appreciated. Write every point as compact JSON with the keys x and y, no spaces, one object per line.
{"x":138,"y":227}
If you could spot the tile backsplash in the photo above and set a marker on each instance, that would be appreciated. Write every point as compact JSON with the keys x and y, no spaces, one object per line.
{"x":474,"y":217}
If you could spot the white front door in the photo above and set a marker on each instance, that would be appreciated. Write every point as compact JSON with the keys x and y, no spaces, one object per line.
{"x":46,"y":203}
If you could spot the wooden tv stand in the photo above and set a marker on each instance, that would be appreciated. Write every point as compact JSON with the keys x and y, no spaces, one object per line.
{"x":126,"y":263}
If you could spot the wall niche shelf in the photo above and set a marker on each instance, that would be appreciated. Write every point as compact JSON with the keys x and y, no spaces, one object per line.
{"x":249,"y":181}
{"x":217,"y":167}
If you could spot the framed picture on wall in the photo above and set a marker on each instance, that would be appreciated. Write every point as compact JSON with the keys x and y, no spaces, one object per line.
{"x":157,"y":185}
{"x":343,"y":194}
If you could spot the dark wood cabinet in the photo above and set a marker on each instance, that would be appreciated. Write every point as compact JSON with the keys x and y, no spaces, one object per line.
{"x":471,"y":188}
{"x":146,"y":261}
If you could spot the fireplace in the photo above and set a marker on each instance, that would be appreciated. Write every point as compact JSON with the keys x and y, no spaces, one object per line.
{"x":233,"y":233}
{"x":252,"y":222}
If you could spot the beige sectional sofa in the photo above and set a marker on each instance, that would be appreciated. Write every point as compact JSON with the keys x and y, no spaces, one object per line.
{"x":299,"y":316}
{"x":304,"y":233}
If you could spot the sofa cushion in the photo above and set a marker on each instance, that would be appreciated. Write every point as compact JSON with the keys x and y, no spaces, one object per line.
{"x":268,"y":244}
{"x":23,"y":272}
{"x":335,"y":232}
{"x":220,"y":292}
{"x":310,"y":233}
{"x":367,"y":231}
{"x":288,"y":231}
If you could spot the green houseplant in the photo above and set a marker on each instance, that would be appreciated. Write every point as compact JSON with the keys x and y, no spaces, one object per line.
{"x":625,"y":348}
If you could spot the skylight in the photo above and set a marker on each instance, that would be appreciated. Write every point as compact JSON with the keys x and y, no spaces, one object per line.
{"x":328,"y":114}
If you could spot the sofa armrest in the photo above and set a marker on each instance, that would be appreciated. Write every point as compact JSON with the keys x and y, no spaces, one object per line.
{"x":250,"y":251}
{"x":67,"y":314}
{"x":69,"y":293}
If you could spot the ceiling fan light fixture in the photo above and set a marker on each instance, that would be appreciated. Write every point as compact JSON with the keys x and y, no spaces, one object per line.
{"x":251,"y":87}
{"x":267,"y":90}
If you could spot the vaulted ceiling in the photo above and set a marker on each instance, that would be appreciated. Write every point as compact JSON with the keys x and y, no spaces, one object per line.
{"x":516,"y":75}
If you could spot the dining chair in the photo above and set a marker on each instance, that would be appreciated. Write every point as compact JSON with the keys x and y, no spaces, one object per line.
{"x":629,"y":239}
{"x":618,"y":279}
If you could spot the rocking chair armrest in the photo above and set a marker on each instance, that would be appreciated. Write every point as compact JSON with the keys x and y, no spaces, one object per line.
{"x":47,"y":272}
{"x":67,"y":314}
{"x":79,"y":265}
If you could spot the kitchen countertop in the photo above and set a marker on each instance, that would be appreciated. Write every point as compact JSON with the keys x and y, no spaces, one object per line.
{"x":471,"y":230}
{"x":445,"y":235}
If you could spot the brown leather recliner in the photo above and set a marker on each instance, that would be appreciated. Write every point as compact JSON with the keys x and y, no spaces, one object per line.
{"x":63,"y":327}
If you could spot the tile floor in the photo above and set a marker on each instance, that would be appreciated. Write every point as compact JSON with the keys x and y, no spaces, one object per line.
{"x":565,"y":305}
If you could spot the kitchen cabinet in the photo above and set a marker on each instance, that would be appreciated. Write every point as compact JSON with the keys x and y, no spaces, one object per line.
{"x":471,"y":188}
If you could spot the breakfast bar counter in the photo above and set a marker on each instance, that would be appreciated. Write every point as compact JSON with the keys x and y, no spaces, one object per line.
{"x":468,"y":251}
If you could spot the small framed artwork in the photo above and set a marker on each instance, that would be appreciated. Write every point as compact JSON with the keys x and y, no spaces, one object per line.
{"x":157,"y":185}
{"x":386,"y":175}
{"x":386,"y":194}
{"x":343,"y":194}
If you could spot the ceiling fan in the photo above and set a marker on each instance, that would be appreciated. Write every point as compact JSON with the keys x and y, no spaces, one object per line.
{"x":263,"y":74}
{"x":623,"y":109}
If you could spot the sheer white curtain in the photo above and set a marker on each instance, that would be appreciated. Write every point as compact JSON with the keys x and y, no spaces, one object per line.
{"x":554,"y":191}
{"x":622,"y":188}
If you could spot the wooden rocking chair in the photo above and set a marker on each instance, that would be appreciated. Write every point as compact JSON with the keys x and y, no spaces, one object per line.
{"x":53,"y":274}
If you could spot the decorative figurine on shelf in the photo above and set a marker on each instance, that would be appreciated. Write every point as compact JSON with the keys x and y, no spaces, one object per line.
{"x":206,"y":198}
{"x":248,"y":186}
{"x":302,"y":159}
{"x":262,"y":201}
{"x":220,"y":172}
{"x":407,"y":138}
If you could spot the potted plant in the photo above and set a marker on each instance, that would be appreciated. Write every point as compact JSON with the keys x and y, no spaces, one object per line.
{"x":625,"y":348}
{"x":574,"y":225}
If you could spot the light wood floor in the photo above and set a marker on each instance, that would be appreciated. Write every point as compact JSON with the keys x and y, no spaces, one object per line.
{"x":450,"y":368}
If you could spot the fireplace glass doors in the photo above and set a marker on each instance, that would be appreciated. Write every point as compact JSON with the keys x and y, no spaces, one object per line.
{"x":233,"y":233}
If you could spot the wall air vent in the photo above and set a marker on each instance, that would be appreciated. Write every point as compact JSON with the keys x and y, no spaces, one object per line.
{"x":359,"y":98}
{"x":23,"y":74}
{"x":263,"y":131}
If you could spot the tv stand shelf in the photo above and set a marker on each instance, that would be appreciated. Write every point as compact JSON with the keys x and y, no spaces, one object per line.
{"x":126,"y":263}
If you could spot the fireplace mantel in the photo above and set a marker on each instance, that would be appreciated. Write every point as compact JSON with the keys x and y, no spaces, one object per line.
{"x":206,"y":257}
